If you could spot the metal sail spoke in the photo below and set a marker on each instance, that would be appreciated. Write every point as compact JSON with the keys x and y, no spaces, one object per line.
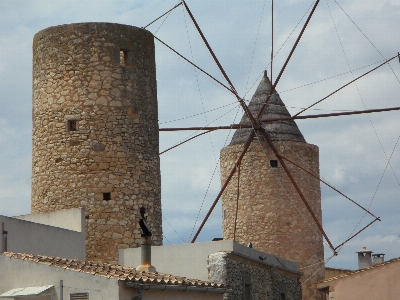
{"x":241,"y":101}
{"x":282,"y":162}
{"x":345,"y":85}
{"x":271,"y":120}
{"x":327,"y":184}
{"x":228,"y":179}
{"x":358,"y":232}
{"x":162,"y":15}
{"x":287,"y":60}
{"x":194,"y":65}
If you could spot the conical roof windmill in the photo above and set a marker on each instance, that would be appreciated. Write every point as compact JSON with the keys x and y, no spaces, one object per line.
{"x":268,"y":130}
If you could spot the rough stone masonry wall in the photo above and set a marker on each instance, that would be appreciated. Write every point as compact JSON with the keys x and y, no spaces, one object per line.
{"x":270,"y":213}
{"x":95,"y":131}
{"x":264,"y":282}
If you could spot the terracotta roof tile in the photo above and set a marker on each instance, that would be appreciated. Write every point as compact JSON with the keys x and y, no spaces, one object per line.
{"x":128,"y":274}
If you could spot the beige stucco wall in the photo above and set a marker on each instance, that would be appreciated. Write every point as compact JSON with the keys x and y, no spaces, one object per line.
{"x":381,"y":282}
{"x":191,"y":260}
{"x":33,"y":238}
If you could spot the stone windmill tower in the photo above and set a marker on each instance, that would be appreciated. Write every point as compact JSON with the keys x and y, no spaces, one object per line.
{"x":95,"y":131}
{"x":260,"y":204}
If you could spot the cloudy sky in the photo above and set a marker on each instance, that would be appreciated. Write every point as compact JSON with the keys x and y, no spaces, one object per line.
{"x":343,"y":40}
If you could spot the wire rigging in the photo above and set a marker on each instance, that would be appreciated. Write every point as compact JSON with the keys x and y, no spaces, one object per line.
{"x":198,"y":84}
{"x":367,"y":39}
{"x":168,"y":12}
{"x":255,"y":44}
{"x":199,"y":114}
{"x":265,"y":135}
{"x":201,"y":128}
{"x":284,"y":188}
{"x":331,"y":77}
{"x":204,"y":198}
{"x":173,"y":230}
{"x":342,"y":87}
{"x":369,"y":118}
{"x":380,"y":181}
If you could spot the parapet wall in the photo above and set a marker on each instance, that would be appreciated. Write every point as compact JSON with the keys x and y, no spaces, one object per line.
{"x":34,"y":238}
{"x":71,"y":219}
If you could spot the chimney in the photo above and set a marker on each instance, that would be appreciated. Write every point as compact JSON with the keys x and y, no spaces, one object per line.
{"x":145,"y":253}
{"x":364,"y":258}
{"x":145,"y":264}
{"x":378,"y":258}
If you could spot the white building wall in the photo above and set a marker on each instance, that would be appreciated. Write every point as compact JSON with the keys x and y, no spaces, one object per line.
{"x":16,"y":273}
{"x":33,"y":238}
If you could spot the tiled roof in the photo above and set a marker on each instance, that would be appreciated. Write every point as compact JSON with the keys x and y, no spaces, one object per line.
{"x":361,"y":270}
{"x":127,"y":274}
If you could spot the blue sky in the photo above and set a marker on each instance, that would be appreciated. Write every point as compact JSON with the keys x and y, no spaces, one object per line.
{"x":354,"y":150}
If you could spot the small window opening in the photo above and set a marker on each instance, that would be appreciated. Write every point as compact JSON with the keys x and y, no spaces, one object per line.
{"x":106,"y":196}
{"x":283,"y":296}
{"x":123,"y":57}
{"x":72,"y":125}
{"x":247,"y":292}
{"x":273,"y":163}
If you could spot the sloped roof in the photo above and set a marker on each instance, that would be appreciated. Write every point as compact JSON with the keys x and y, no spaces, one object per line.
{"x":27,"y":291}
{"x":275,"y":108}
{"x":394,"y":260}
{"x":128,"y":274}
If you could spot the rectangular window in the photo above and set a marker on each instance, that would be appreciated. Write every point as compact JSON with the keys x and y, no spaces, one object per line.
{"x":106,"y":196}
{"x":273,"y":163}
{"x":283,"y":296}
{"x":79,"y":296}
{"x":72,"y":125}
{"x":123,"y":57}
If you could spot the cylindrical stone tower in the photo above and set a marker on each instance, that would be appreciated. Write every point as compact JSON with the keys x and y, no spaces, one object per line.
{"x":95,"y":131}
{"x":270,"y":213}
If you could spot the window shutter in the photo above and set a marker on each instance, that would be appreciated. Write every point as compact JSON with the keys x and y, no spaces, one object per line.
{"x":79,"y":296}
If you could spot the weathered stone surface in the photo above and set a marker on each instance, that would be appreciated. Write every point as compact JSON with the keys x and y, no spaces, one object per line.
{"x":78,"y":77}
{"x":270,"y":213}
{"x":263,"y":281}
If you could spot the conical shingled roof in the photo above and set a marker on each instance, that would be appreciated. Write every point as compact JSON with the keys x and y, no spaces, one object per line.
{"x":279,"y":131}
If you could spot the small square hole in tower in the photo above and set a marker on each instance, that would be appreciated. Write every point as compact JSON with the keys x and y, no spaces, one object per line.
{"x":106,"y":196}
{"x":273,"y":163}
{"x":72,"y":125}
{"x":123,"y":57}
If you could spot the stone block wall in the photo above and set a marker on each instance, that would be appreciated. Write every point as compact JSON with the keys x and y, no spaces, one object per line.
{"x":270,"y":213}
{"x":251,"y":280}
{"x":95,"y":131}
